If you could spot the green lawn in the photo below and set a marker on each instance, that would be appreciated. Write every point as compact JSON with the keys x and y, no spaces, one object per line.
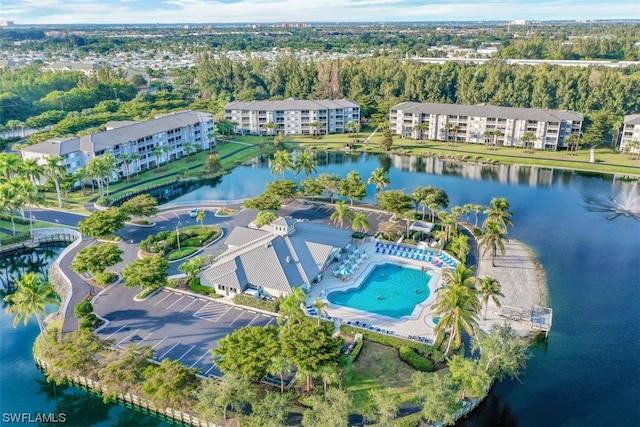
{"x":378,"y":366}
{"x":21,"y":228}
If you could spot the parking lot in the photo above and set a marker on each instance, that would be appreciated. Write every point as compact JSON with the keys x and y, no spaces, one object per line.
{"x":177,"y":326}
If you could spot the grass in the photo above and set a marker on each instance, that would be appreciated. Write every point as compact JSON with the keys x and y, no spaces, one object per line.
{"x":378,"y":366}
{"x":24,"y":228}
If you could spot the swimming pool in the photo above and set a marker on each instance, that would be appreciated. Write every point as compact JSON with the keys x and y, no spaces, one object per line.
{"x":389,"y":290}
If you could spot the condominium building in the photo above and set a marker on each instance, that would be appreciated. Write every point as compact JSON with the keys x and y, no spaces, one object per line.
{"x":630,"y":131}
{"x":483,"y":123}
{"x":292,"y":116}
{"x":171,"y":132}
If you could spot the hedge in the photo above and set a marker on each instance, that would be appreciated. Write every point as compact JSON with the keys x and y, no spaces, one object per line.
{"x":181,"y":253}
{"x":205,"y":290}
{"x":356,"y":350}
{"x":414,"y":359}
{"x":272,"y":306}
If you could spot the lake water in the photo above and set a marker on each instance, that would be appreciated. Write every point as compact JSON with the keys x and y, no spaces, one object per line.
{"x":588,"y":371}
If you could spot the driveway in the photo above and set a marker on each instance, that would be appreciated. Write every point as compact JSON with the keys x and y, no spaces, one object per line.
{"x":178,"y":326}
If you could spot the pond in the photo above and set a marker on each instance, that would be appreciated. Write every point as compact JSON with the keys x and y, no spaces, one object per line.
{"x":588,"y":372}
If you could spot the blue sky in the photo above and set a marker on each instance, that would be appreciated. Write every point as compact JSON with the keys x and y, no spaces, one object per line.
{"x":224,"y":11}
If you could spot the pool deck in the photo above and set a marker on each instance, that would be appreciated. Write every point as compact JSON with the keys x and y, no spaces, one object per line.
{"x":417,"y":325}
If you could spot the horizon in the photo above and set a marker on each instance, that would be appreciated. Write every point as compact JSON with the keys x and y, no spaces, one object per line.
{"x":198,"y":12}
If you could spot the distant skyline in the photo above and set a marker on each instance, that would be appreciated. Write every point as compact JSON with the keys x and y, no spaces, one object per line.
{"x":267,"y":11}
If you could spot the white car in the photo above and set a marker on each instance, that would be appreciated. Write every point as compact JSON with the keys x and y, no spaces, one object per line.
{"x":193,"y":212}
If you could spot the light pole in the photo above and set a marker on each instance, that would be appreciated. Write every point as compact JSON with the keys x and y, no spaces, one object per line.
{"x":178,"y":233}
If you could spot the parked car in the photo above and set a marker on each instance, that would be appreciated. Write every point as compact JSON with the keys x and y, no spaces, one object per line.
{"x":193,"y":212}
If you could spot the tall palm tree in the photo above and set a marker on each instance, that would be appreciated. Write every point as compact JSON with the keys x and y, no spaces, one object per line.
{"x":188,"y":148}
{"x":460,"y":246}
{"x":467,"y":208}
{"x":489,"y":288}
{"x":342,"y":212}
{"x":379,"y":178}
{"x":31,"y":297}
{"x":9,"y":201}
{"x":457,"y":305}
{"x":527,"y":139}
{"x":281,"y":163}
{"x":477,"y":209}
{"x":498,"y":211}
{"x":421,"y":129}
{"x":447,"y":128}
{"x":457,"y":212}
{"x":487,"y":134}
{"x":455,"y":130}
{"x":135,"y":157}
{"x":360,"y":222}
{"x":33,"y":171}
{"x":157,"y":152}
{"x":82,"y":175}
{"x":316,"y":128}
{"x":108,"y":167}
{"x":492,"y":239}
{"x":126,"y":159}
{"x":319,"y":305}
{"x":10,"y":165}
{"x":55,"y":171}
{"x":27,"y":195}
{"x":306,"y":162}
{"x":496,"y":134}
{"x":281,"y":366}
{"x":271,"y":128}
{"x":290,"y":306}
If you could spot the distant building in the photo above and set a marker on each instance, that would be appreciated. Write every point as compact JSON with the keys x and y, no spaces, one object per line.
{"x":172,"y":130}
{"x":90,"y":69}
{"x":6,"y":23}
{"x":630,"y":130}
{"x":276,"y":258}
{"x":475,"y":122}
{"x":293,"y":116}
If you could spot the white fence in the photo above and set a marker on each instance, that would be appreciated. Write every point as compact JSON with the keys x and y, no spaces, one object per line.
{"x":196,"y":203}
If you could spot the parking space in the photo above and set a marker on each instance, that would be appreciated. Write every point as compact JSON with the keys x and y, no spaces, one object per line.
{"x":177,"y":326}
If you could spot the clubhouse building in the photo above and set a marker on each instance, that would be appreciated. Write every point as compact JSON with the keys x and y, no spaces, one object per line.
{"x":480,"y":124}
{"x":292,"y":116}
{"x":276,"y":258}
{"x":170,"y":132}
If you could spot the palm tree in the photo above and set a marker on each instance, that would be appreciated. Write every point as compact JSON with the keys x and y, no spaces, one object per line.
{"x":447,"y":128}
{"x":31,"y":297}
{"x":477,"y":209}
{"x":125,"y":158}
{"x":319,"y":305}
{"x":467,"y":208}
{"x":9,"y":201}
{"x":352,"y":127}
{"x":27,"y":196}
{"x":82,"y":175}
{"x":360,"y":222}
{"x":188,"y":148}
{"x":157,"y":151}
{"x":421,"y":129}
{"x":379,"y":178}
{"x":200,"y":216}
{"x":498,"y":211}
{"x":496,"y":134}
{"x":487,"y":134}
{"x":166,"y":149}
{"x":290,"y":306}
{"x":572,"y":142}
{"x":108,"y":167}
{"x":457,"y":212}
{"x":492,"y":239}
{"x":489,"y":288}
{"x":269,"y":126}
{"x":10,"y":164}
{"x":33,"y":171}
{"x":135,"y":157}
{"x":527,"y":138}
{"x":457,"y":305}
{"x":306,"y":162}
{"x":281,"y":163}
{"x":280,"y":366}
{"x":341,"y":213}
{"x":460,"y":246}
{"x":455,"y":130}
{"x":316,"y":128}
{"x":54,"y":171}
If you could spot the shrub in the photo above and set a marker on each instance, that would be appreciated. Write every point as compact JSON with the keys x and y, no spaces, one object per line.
{"x":83,"y":309}
{"x":20,"y":237}
{"x":103,"y":201}
{"x":414,"y":359}
{"x":205,"y":290}
{"x":181,"y":253}
{"x":356,"y":350}
{"x":272,"y":306}
{"x":104,"y":277}
{"x":388,"y":340}
{"x":89,"y":322}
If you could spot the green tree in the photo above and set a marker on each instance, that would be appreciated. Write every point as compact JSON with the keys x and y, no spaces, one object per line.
{"x":212,"y":164}
{"x":247,"y":351}
{"x":55,"y":171}
{"x":340,"y":213}
{"x":31,"y":298}
{"x":385,"y":406}
{"x":157,"y":152}
{"x":96,"y":258}
{"x":360,"y":222}
{"x":169,"y":384}
{"x":264,"y":217}
{"x":10,"y":165}
{"x":309,"y":347}
{"x":395,"y":202}
{"x":387,"y":139}
{"x":527,"y":139}
{"x":489,"y":289}
{"x":498,"y":211}
{"x":143,"y":206}
{"x":75,"y":355}
{"x":311,"y":187}
{"x":103,"y":223}
{"x":281,"y":162}
{"x":191,"y":268}
{"x":126,"y":160}
{"x":271,"y":411}
{"x":353,"y":187}
{"x":504,"y":353}
{"x":290,"y":307}
{"x":201,"y":216}
{"x":148,"y":273}
{"x":123,"y":371}
{"x":319,"y":305}
{"x":306,"y":162}
{"x":379,"y":178}
{"x":460,"y":246}
{"x":492,"y":239}
{"x":280,"y":366}
{"x":329,"y":410}
{"x":282,"y":188}
{"x":437,"y":392}
{"x":471,"y":380}
{"x":457,"y":305}
{"x":232,"y":391}
{"x":330,"y":183}
{"x":263,"y":202}
{"x":316,"y":128}
{"x":477,"y":210}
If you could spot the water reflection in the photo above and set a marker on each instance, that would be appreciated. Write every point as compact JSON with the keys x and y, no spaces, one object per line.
{"x":15,"y":264}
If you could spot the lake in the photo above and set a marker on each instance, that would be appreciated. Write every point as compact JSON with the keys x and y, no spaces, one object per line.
{"x":588,"y":371}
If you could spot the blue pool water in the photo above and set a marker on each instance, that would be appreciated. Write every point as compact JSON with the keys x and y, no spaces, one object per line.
{"x":389,"y":290}
{"x":436,"y":320}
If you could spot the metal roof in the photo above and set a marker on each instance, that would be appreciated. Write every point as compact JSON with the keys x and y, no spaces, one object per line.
{"x":242,"y":235}
{"x":633,"y":119}
{"x":55,"y":146}
{"x":292,"y":104}
{"x":487,"y":110}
